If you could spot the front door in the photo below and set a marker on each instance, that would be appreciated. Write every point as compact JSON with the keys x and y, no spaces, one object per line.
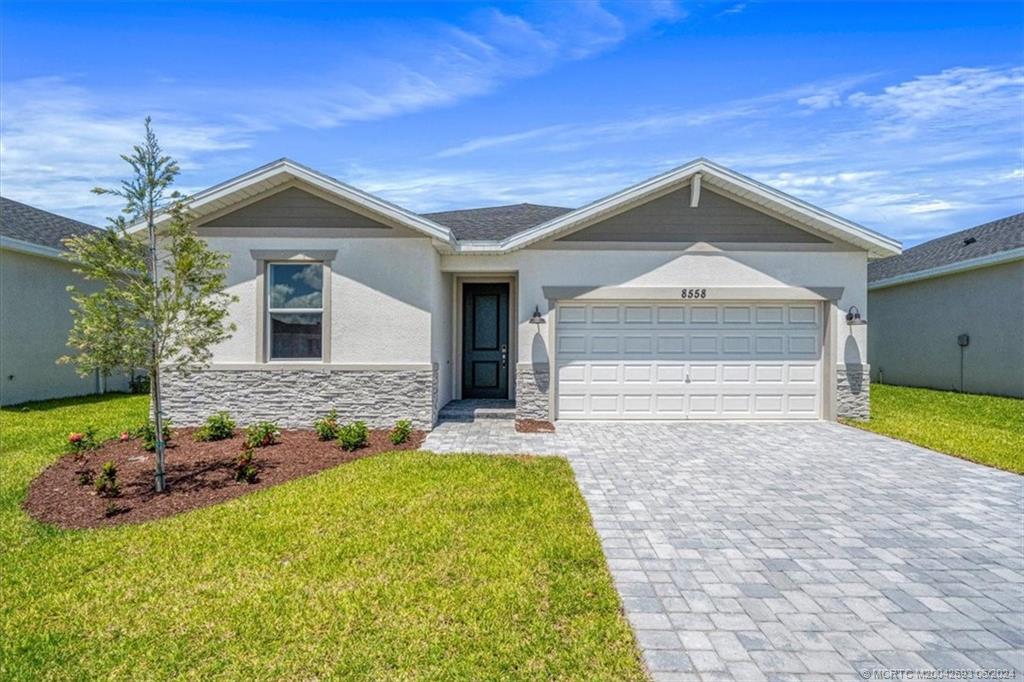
{"x":485,"y":340}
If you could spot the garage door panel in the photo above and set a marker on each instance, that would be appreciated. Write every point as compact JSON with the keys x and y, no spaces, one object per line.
{"x":703,"y":374}
{"x":604,"y":374}
{"x":672,"y":315}
{"x":695,"y":360}
{"x":734,"y":345}
{"x":633,"y":374}
{"x":604,"y":314}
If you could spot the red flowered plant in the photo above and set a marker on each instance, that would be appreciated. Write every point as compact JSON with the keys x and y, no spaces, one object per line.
{"x":125,"y":436}
{"x":82,"y":441}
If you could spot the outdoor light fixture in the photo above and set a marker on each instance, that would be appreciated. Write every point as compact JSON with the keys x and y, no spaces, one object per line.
{"x":853,"y":316}
{"x":536,"y":318}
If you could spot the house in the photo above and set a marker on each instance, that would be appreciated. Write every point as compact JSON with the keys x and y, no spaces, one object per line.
{"x":949,"y":313}
{"x":696,"y":294}
{"x":35,"y":307}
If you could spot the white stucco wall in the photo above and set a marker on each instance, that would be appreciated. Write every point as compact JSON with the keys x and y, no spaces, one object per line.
{"x":915,"y":328}
{"x":35,"y":320}
{"x":383,"y":291}
{"x":442,"y":334}
{"x":677,"y":268}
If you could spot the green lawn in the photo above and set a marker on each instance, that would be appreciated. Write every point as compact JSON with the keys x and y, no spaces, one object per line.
{"x":402,"y":566}
{"x":982,"y":428}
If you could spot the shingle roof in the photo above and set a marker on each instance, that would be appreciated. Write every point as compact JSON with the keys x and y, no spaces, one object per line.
{"x":982,"y":240}
{"x":29,"y":224}
{"x":495,"y":222}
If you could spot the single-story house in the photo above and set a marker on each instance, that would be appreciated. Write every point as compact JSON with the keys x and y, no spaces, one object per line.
{"x":35,"y":307}
{"x":949,"y":313}
{"x":696,"y":294}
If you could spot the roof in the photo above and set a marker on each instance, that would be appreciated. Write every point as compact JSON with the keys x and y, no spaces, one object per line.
{"x":283,"y":172}
{"x":974,"y":246}
{"x":503,"y":229}
{"x":495,"y":223}
{"x":26,"y":223}
{"x":700,"y":170}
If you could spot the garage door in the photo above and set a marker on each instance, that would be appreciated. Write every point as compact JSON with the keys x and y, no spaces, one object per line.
{"x":689,"y":361}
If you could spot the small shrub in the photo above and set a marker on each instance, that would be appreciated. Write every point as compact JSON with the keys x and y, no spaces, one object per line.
{"x":147,"y":434}
{"x":217,"y":427}
{"x":112,"y":509}
{"x":401,"y":432}
{"x":106,"y":481}
{"x":83,"y":441}
{"x":139,"y":384}
{"x":326,"y":427}
{"x":261,"y":434}
{"x":245,"y":467}
{"x":353,"y":436}
{"x":85,"y":476}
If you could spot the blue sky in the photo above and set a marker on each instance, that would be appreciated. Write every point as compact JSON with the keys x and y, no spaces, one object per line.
{"x":904,"y":117}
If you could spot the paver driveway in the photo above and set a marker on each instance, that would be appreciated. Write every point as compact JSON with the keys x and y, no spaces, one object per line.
{"x":803,"y":551}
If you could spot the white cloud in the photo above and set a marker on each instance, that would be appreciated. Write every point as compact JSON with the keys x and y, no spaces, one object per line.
{"x":59,"y":141}
{"x":954,"y":98}
{"x":570,"y":136}
{"x":448,"y":63}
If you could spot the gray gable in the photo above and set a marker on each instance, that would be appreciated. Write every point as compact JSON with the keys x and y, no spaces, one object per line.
{"x":670,"y":218}
{"x":28,"y":224}
{"x":982,"y":240}
{"x":495,"y":222}
{"x":293,"y":207}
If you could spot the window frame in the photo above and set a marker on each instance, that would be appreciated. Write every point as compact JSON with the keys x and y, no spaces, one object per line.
{"x":264,"y":258}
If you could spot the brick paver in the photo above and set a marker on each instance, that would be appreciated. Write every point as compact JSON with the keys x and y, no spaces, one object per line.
{"x":793,"y":551}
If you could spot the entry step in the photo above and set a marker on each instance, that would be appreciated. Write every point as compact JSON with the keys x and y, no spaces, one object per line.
{"x":471,"y":410}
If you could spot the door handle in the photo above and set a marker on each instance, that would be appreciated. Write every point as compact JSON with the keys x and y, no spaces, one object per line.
{"x":504,"y":355}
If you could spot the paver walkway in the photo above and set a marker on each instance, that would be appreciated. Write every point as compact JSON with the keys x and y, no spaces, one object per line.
{"x":793,"y":551}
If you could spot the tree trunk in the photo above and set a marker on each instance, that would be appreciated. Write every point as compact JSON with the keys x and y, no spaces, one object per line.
{"x":158,"y":424}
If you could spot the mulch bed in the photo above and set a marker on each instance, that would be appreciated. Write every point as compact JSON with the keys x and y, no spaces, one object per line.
{"x":198,"y":475}
{"x":534,"y":426}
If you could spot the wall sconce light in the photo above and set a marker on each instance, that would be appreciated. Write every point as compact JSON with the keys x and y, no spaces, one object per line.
{"x":536,"y":318}
{"x":853,"y":316}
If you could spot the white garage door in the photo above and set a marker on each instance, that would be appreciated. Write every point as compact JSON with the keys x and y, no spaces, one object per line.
{"x":689,"y":361}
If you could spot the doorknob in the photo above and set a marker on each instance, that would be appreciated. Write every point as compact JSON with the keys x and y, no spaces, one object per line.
{"x":504,"y":355}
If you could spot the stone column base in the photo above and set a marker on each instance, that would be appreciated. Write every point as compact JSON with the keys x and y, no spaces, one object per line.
{"x":853,"y":396}
{"x":532,"y":384}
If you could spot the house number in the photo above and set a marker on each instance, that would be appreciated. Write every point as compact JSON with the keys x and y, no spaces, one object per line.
{"x":695,"y":293}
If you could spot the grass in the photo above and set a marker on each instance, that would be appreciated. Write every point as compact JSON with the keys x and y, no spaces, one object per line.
{"x":981,"y":428}
{"x":401,"y":566}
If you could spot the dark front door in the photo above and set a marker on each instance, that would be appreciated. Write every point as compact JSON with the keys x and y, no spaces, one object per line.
{"x":485,"y":340}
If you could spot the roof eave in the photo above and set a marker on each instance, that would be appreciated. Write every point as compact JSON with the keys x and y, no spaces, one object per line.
{"x":31,"y":248}
{"x":991,"y":259}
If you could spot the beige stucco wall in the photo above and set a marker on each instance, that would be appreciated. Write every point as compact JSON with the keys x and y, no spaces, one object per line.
{"x":34,"y":325}
{"x":692,"y":267}
{"x":914,"y":329}
{"x":383,"y":291}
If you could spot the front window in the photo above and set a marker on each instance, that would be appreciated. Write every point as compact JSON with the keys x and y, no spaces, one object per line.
{"x":295,"y":312}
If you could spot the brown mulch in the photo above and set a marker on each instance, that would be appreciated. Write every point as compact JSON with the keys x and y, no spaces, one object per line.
{"x":198,"y":475}
{"x":534,"y":426}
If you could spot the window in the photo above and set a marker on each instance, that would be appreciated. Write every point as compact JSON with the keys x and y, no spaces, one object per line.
{"x":295,"y":312}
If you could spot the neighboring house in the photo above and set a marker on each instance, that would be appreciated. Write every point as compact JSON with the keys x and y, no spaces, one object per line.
{"x":949,"y":313}
{"x":697,"y":294}
{"x":35,"y":307}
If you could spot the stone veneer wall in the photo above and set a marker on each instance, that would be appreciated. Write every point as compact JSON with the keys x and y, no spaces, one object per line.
{"x":853,"y":398}
{"x":296,"y":397}
{"x":532,"y":384}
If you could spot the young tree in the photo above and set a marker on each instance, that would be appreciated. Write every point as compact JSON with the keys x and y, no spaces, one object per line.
{"x":161,"y":302}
